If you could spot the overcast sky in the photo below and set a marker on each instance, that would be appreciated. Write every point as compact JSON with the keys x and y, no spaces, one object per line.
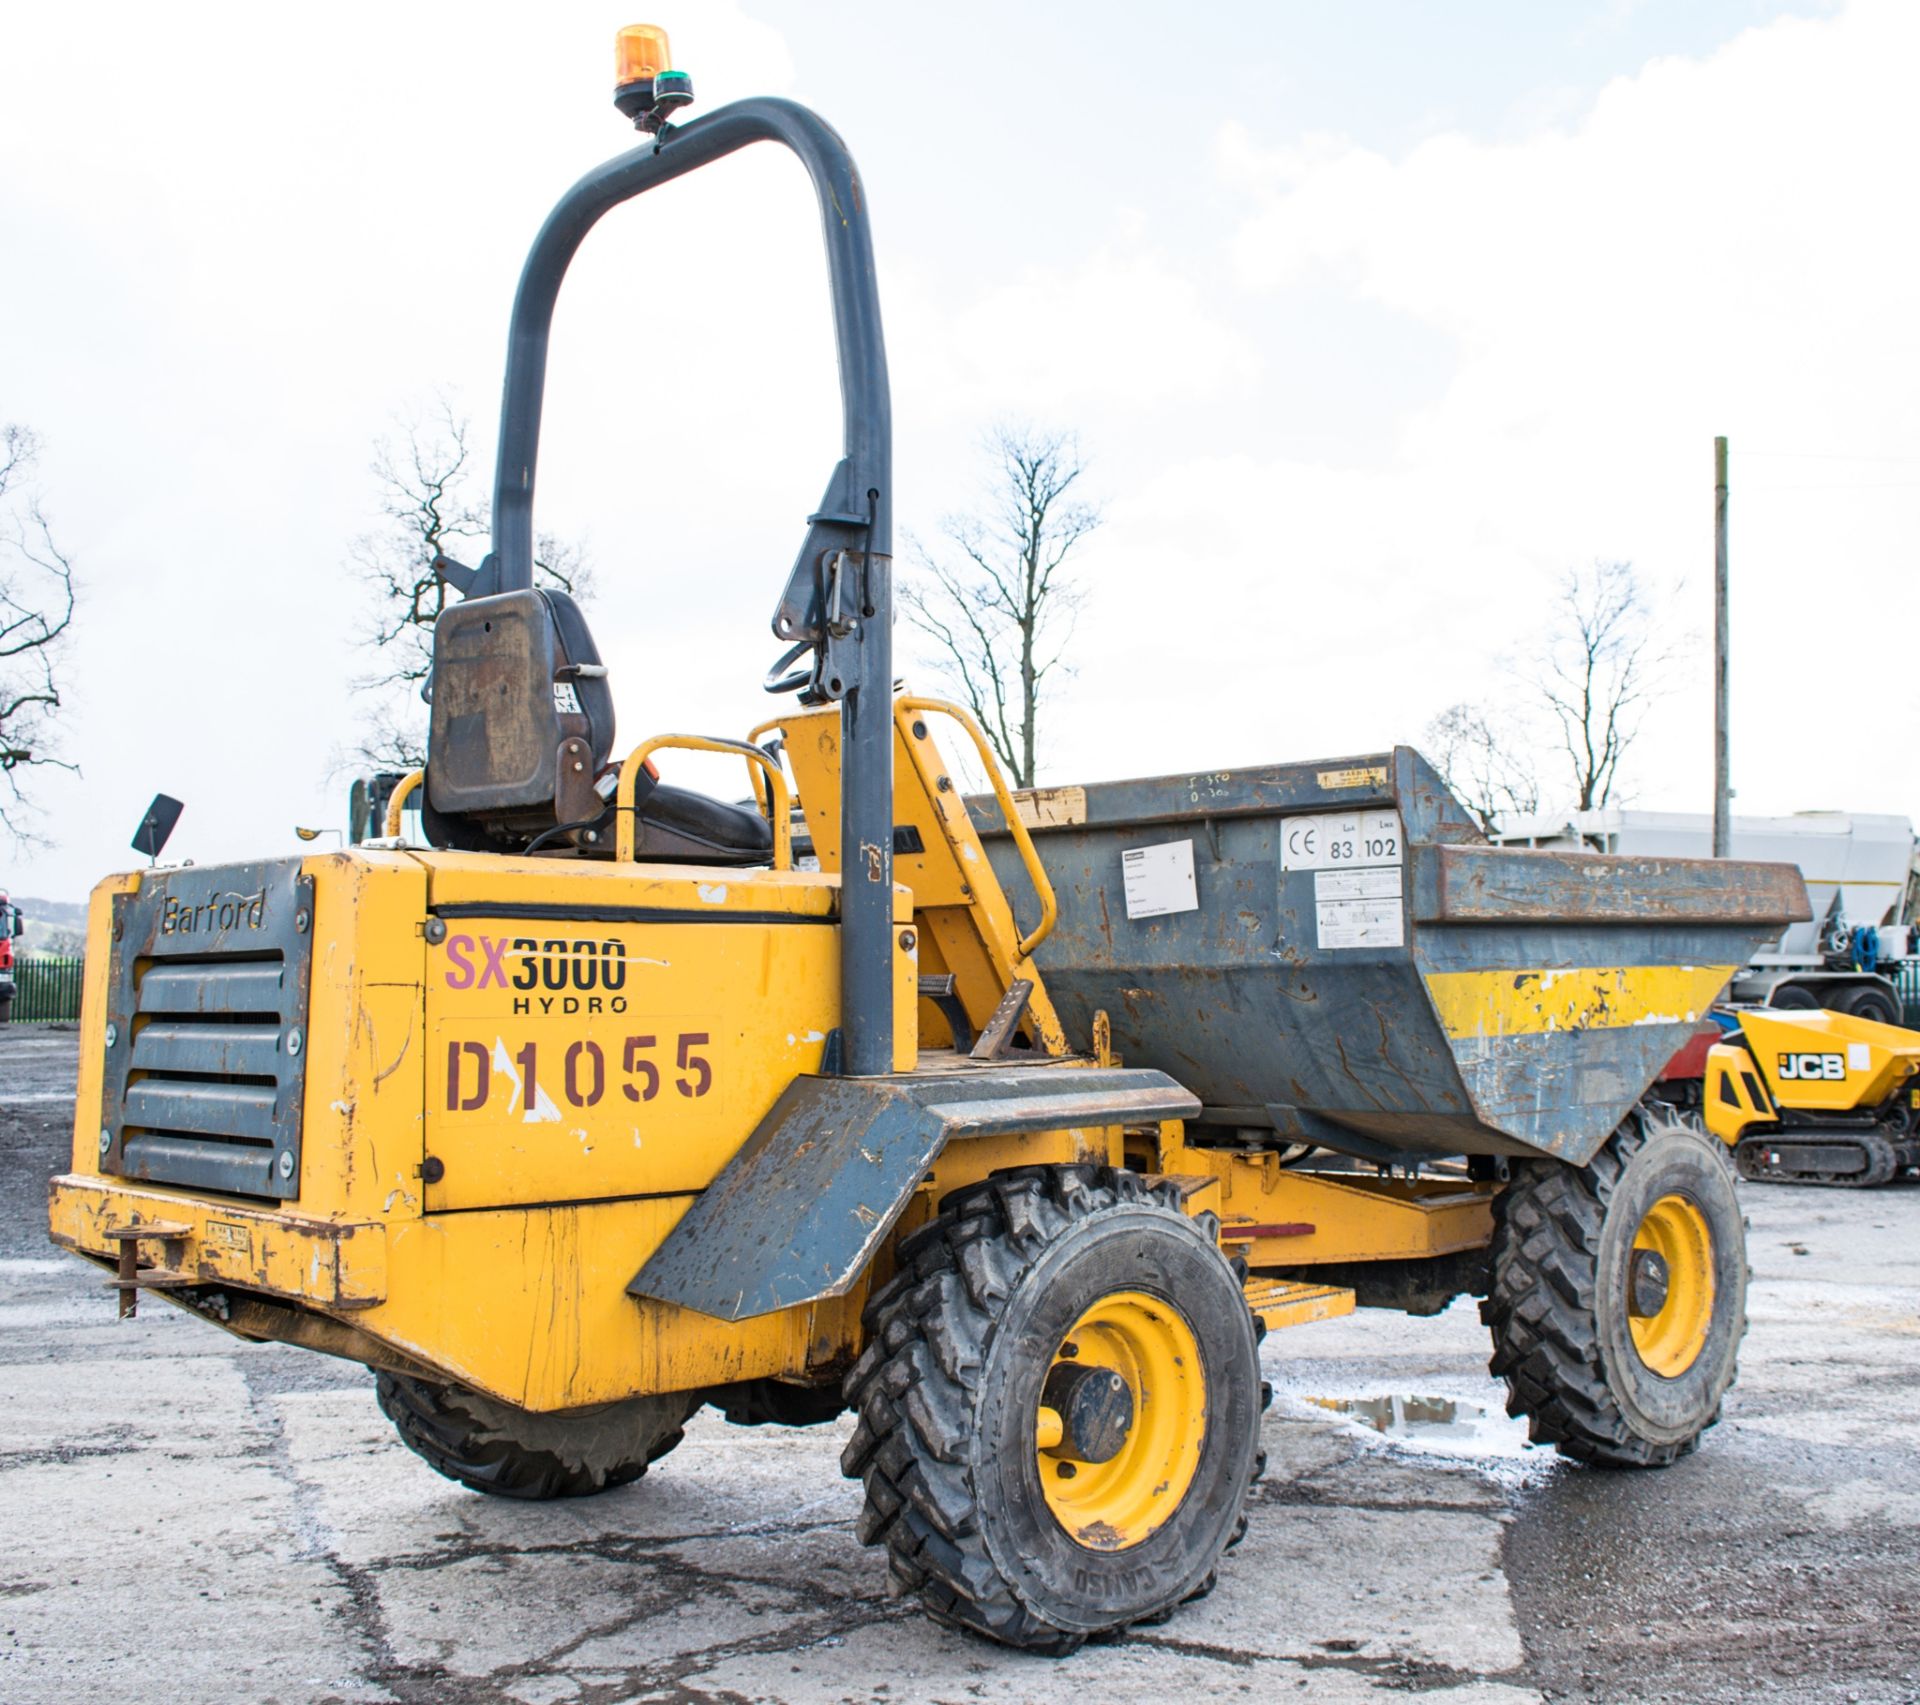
{"x":1374,"y":319}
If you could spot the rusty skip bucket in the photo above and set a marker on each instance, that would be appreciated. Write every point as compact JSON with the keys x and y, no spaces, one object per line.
{"x":1331,"y":953}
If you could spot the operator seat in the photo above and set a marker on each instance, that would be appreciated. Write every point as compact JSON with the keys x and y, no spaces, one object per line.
{"x":520,"y":739}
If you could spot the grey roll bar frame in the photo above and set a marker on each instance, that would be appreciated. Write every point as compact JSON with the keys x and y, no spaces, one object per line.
{"x":839,"y":596}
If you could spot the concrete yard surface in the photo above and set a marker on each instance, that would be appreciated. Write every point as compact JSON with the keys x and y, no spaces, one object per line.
{"x":184,"y":1517}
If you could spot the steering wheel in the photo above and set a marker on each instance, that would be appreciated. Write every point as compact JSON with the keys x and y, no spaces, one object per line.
{"x":783,"y":677}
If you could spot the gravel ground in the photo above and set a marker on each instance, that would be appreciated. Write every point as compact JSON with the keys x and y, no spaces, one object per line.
{"x":188,"y":1518}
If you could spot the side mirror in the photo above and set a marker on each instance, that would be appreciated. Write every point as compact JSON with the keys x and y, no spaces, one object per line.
{"x":157,"y":826}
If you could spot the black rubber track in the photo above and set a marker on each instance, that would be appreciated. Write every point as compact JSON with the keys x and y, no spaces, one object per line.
{"x":470,"y":1439}
{"x":1883,"y":1160}
{"x":928,"y":1335}
{"x":1543,"y":1307}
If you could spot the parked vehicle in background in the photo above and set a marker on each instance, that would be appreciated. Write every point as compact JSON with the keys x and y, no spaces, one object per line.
{"x":1858,"y":952}
{"x":11,"y":925}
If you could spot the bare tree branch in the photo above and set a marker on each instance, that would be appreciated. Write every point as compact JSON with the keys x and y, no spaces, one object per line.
{"x":1598,"y":672}
{"x":1481,"y":758}
{"x":998,"y":605}
{"x":37,"y":601}
{"x":425,"y":479}
{"x":1599,"y":667}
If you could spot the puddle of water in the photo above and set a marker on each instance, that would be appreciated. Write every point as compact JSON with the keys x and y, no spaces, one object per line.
{"x":1448,"y":1426}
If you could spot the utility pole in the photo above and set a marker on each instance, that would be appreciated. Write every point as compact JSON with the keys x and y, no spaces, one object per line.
{"x":1722,"y":792}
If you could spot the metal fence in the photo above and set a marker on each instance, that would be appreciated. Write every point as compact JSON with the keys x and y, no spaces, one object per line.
{"x":1906,"y":978}
{"x":46,"y":990}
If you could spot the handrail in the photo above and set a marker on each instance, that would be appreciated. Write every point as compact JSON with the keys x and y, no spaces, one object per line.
{"x":780,"y":810}
{"x":397,"y":802}
{"x":1036,"y":872}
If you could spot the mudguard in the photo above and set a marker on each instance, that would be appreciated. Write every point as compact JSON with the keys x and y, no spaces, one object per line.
{"x":799,"y":1212}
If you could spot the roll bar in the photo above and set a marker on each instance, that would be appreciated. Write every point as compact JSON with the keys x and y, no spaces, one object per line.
{"x":839,"y":596}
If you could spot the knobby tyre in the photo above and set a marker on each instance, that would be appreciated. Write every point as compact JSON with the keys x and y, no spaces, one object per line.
{"x":506,"y":1452}
{"x":1613,"y":1358}
{"x":1018,"y":1277}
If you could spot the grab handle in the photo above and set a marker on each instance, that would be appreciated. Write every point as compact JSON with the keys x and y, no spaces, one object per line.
{"x":779,"y":809}
{"x":1036,"y":872}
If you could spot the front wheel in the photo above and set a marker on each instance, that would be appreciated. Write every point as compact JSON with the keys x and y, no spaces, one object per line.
{"x":506,"y":1452}
{"x":1619,"y":1294}
{"x":1059,"y":1408}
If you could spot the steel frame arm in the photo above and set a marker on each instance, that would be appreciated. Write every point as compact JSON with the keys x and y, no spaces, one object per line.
{"x":856,"y":517}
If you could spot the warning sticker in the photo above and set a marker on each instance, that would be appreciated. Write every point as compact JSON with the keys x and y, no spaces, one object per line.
{"x":1352,"y":907}
{"x":1039,"y":806}
{"x":1373,"y":775}
{"x":1381,"y":884}
{"x":1359,"y":923}
{"x":1159,"y":880}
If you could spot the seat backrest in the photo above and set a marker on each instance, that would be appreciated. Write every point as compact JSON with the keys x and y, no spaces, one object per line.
{"x":516,"y":676}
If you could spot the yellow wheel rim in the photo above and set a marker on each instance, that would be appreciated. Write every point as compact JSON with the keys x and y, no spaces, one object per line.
{"x":1111,"y":1505}
{"x":1670,"y":1298}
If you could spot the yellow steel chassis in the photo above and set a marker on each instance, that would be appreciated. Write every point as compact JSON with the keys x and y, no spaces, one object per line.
{"x":506,"y":1269}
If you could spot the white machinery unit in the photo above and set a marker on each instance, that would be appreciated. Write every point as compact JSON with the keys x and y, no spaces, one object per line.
{"x":1862,"y":874}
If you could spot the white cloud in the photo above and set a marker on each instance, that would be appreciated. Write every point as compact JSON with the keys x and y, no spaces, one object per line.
{"x":1711,"y":248}
{"x":1355,"y":412}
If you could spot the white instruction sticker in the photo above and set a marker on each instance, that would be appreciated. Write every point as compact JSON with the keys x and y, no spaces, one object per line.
{"x":1335,"y":840}
{"x":1382,"y":883}
{"x":1159,"y":880}
{"x":1359,"y":923}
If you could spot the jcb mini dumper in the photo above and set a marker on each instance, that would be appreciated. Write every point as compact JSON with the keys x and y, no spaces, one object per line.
{"x":603,"y":1107}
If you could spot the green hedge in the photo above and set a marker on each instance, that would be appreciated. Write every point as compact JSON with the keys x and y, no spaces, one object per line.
{"x":46,"y":991}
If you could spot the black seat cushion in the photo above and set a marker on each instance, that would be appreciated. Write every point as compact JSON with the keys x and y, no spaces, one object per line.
{"x":677,"y":823}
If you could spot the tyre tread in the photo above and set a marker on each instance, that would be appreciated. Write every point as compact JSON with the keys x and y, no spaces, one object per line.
{"x":929,"y":1330}
{"x":1542,"y":1313}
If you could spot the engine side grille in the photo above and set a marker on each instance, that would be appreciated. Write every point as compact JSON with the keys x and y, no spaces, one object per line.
{"x":206,"y":1029}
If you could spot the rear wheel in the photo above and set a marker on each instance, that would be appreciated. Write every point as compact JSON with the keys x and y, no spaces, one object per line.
{"x":512,"y":1453}
{"x":1619,"y":1294}
{"x":1059,"y":1408}
{"x":1874,"y":1005}
{"x":6,"y":1009}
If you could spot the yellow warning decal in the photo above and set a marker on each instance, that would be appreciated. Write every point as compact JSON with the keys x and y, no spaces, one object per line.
{"x":1048,"y":807}
{"x":1596,"y":997}
{"x":1373,"y":775}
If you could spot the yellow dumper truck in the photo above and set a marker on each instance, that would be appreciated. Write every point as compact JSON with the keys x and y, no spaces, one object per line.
{"x":976,"y":1121}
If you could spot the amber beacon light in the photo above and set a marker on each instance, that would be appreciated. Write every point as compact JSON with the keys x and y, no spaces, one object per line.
{"x":646,"y":87}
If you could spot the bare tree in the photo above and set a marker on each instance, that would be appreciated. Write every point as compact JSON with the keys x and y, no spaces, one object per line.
{"x":429,"y":508}
{"x":36,"y":612}
{"x":1598,"y":671}
{"x":1598,"y":666}
{"x":1482,"y":758}
{"x":997,"y":601}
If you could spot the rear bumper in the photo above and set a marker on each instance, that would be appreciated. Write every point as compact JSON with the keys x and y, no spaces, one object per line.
{"x":324,"y":1263}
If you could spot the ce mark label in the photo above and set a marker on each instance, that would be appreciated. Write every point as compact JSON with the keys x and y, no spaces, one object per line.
{"x":1334,"y":840}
